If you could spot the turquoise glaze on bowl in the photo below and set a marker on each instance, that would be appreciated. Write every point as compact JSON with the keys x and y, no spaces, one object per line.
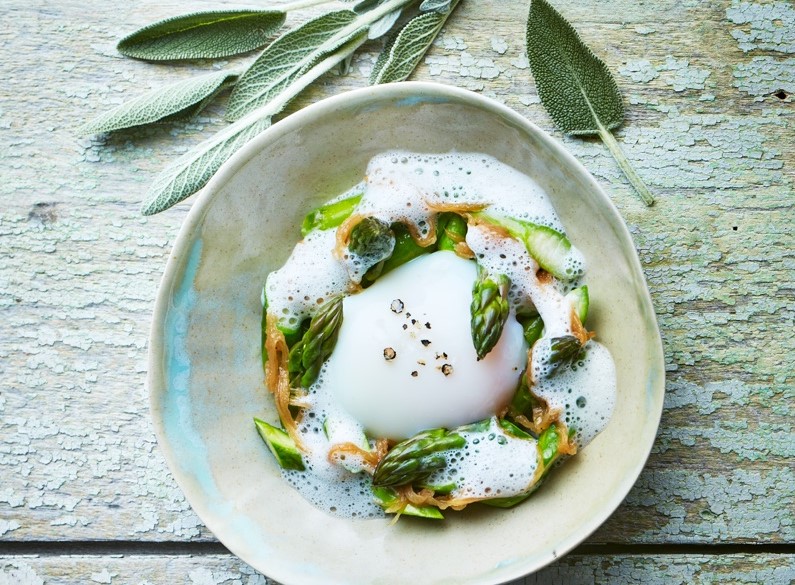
{"x":205,"y":372}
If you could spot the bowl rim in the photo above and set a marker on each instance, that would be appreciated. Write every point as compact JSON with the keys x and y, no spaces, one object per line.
{"x":156,"y":381}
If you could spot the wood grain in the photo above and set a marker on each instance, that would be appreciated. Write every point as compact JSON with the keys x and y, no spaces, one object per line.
{"x":709,"y":126}
{"x":574,"y":569}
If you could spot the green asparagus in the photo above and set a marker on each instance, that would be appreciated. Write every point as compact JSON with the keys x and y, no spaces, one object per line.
{"x":549,"y":247}
{"x":330,"y":215}
{"x":451,"y":229}
{"x":386,"y":497}
{"x":416,"y":458}
{"x":548,"y":443}
{"x":579,"y":299}
{"x":533,"y":329}
{"x":489,"y":310}
{"x":406,"y":249}
{"x":307,"y":356}
{"x":281,"y":445}
{"x":373,"y":238}
{"x":534,"y":326}
{"x":565,"y":351}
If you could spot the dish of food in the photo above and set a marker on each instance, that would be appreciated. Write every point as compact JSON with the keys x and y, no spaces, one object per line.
{"x":206,"y":373}
{"x":425,"y":342}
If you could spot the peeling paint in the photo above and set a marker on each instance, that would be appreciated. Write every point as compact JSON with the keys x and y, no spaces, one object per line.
{"x":498,"y":45}
{"x":772,"y":25}
{"x":639,"y":71}
{"x":18,"y":573}
{"x":763,"y":76}
{"x":679,"y":74}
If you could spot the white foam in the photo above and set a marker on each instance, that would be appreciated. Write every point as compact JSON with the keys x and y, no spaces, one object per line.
{"x":310,"y":277}
{"x":406,"y":187}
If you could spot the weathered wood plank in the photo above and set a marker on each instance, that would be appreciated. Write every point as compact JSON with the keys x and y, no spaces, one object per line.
{"x":79,"y":268}
{"x":228,"y":570}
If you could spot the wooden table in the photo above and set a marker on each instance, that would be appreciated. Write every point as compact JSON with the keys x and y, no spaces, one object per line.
{"x":85,"y":496}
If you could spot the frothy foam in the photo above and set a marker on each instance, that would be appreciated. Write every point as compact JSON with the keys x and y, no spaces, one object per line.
{"x":410,"y":188}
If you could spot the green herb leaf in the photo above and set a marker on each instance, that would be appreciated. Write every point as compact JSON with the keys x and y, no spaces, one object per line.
{"x":366,"y":5}
{"x":288,"y":57}
{"x":202,"y":35}
{"x":184,"y":98}
{"x":382,"y":26}
{"x":193,"y":169}
{"x":574,"y":85}
{"x":436,"y":6}
{"x":402,"y":55}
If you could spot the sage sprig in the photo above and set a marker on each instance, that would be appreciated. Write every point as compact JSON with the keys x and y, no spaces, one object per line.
{"x":290,"y":63}
{"x":192,"y":170}
{"x":575,"y":86}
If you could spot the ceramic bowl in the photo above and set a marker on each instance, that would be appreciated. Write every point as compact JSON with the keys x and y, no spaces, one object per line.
{"x":205,"y":372}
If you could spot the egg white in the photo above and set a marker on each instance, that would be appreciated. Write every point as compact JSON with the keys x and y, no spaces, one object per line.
{"x":420,"y":313}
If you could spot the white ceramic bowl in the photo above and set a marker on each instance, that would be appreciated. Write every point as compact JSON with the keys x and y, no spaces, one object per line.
{"x":205,"y":373}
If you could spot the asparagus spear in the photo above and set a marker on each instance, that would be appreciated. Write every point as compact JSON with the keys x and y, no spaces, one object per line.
{"x":373,"y":238}
{"x":307,"y":356}
{"x":416,"y":458}
{"x":549,"y":247}
{"x":329,"y":215}
{"x":489,"y":310}
{"x":450,"y":230}
{"x":565,"y":350}
{"x":281,"y":445}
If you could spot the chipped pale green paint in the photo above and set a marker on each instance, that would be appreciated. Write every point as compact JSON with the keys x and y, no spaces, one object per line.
{"x":679,"y":74}
{"x":762,"y":76}
{"x":640,"y":71}
{"x":772,"y":25}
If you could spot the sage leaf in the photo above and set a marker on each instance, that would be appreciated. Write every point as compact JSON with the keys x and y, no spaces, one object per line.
{"x":202,"y":35}
{"x":288,"y":57}
{"x":402,"y":54}
{"x":184,"y":98}
{"x":435,"y":6}
{"x":574,"y":85}
{"x":382,"y":26}
{"x":366,"y":5}
{"x":192,"y":170}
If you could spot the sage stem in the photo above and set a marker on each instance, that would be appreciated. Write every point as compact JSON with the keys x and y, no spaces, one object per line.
{"x":618,"y":154}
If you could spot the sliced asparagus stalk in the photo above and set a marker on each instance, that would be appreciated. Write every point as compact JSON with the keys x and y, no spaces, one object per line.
{"x":414,"y":459}
{"x":533,"y":329}
{"x":489,"y":311}
{"x":579,"y":299}
{"x":330,"y":215}
{"x":549,"y":247}
{"x":387,"y":497}
{"x":281,"y":445}
{"x":307,"y":356}
{"x":451,"y":229}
